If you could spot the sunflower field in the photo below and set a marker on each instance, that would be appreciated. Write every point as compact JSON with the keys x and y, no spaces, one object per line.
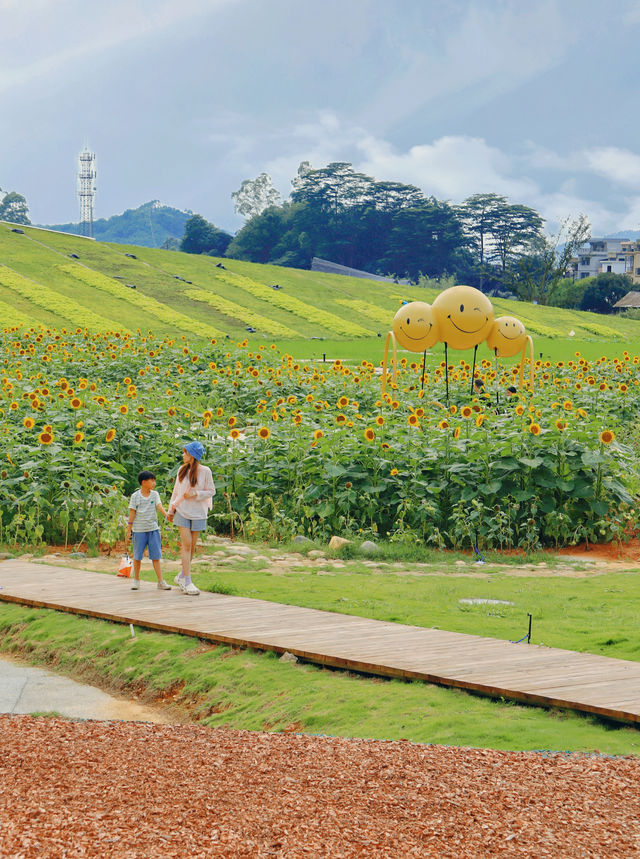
{"x":313,"y":448}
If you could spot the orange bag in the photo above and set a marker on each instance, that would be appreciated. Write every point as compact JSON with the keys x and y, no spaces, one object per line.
{"x":125,"y":566}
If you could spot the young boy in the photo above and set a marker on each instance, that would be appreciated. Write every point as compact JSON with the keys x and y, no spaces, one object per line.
{"x":143,"y":521}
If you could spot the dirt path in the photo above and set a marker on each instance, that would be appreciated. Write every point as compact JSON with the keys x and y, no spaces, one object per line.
{"x":132,"y":790}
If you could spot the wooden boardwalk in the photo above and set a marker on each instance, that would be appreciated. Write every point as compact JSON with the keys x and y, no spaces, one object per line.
{"x":529,"y":673}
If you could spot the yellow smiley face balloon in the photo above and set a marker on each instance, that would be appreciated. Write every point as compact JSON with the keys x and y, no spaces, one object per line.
{"x":507,"y":337}
{"x":464,"y":315}
{"x":414,"y":326}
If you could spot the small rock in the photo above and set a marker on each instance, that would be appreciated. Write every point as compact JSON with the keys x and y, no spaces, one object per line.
{"x":337,"y":542}
{"x":300,"y":538}
{"x":316,"y":553}
{"x":77,"y":555}
{"x":26,"y":557}
{"x":461,"y":563}
{"x":288,"y":657}
{"x":370,"y":547}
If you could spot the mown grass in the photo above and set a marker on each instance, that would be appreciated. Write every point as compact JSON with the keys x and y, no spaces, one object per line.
{"x":245,"y":689}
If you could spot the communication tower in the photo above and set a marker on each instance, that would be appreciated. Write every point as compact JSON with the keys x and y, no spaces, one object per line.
{"x":86,"y":189}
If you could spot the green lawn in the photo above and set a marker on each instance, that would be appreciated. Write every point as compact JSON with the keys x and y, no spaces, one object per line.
{"x":574,"y":608}
{"x":248,"y":690}
{"x":371,"y":305}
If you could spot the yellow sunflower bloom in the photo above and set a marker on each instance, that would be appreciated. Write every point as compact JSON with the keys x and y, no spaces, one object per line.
{"x":264,"y":432}
{"x":111,"y":434}
{"x":607,"y":436}
{"x":369,"y":434}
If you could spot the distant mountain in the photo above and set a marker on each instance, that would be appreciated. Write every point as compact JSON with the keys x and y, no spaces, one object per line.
{"x":151,"y":225}
{"x":622,"y":234}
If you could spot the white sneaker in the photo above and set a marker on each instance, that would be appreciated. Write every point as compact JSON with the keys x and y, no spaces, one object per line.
{"x":179,"y":580}
{"x":190,"y":589}
{"x":163,"y":586}
{"x":135,"y":585}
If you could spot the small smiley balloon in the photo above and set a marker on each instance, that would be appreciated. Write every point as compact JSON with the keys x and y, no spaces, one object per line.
{"x":415,"y":327}
{"x":464,"y":315}
{"x":507,"y":336}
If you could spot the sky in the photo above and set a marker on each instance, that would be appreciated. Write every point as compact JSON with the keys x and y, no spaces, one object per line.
{"x":181,"y":100}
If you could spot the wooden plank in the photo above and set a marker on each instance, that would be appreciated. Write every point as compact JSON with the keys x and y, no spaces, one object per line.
{"x":529,"y":673}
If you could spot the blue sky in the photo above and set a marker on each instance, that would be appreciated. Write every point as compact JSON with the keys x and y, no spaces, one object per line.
{"x":184,"y":99}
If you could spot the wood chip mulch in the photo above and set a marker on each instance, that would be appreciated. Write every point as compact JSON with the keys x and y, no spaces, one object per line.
{"x":118,"y":789}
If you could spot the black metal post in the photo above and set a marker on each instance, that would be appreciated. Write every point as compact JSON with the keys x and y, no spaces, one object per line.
{"x":424,"y":364}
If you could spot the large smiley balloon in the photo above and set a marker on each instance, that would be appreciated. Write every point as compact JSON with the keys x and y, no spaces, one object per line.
{"x":464,"y":315}
{"x":415,"y":327}
{"x":507,"y":336}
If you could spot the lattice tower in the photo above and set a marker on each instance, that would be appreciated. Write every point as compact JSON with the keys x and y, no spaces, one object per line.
{"x":86,"y":189}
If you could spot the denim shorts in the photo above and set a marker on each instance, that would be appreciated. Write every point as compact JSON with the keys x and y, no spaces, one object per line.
{"x":147,"y":539}
{"x":191,"y":524}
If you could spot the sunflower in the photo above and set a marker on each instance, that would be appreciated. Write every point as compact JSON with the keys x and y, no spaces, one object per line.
{"x":456,"y":432}
{"x":394,"y":471}
{"x":343,"y":401}
{"x":318,"y":434}
{"x":232,"y":421}
{"x":453,"y":409}
{"x":607,"y":436}
{"x":443,"y":424}
{"x":171,"y":412}
{"x":479,"y":420}
{"x":413,"y":421}
{"x":466,"y":412}
{"x":78,"y":437}
{"x":45,"y":437}
{"x":561,"y":425}
{"x":234,"y":433}
{"x":519,"y":409}
{"x":369,"y":434}
{"x":29,"y":423}
{"x":380,"y":420}
{"x":124,"y":409}
{"x":111,"y":434}
{"x":264,"y":432}
{"x":567,"y":405}
{"x":534,"y":429}
{"x":140,"y":410}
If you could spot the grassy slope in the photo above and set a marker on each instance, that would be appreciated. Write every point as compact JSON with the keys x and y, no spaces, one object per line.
{"x":38,"y":253}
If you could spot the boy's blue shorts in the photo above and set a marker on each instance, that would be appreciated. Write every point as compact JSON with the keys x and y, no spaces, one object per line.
{"x":144,"y":539}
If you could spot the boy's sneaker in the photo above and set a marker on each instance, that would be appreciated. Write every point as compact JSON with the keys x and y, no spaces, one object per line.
{"x":135,"y":585}
{"x":179,"y":580}
{"x":190,"y":589}
{"x":163,"y":586}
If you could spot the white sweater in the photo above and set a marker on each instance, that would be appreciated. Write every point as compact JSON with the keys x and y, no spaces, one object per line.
{"x":198,"y":507}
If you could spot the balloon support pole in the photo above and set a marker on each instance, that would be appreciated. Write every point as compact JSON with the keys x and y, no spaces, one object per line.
{"x":390,"y":336}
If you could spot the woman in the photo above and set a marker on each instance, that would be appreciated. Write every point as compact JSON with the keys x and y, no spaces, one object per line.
{"x":188,"y":508}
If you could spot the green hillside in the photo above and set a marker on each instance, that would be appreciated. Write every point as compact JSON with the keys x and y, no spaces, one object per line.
{"x":63,"y":280}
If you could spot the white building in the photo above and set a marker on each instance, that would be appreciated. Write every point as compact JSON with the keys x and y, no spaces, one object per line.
{"x":600,"y":255}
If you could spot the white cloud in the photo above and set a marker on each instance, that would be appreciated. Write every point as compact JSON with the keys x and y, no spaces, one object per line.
{"x":617,"y":165}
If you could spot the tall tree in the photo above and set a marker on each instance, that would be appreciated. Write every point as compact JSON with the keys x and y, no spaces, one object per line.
{"x":538,"y":275}
{"x":479,"y":215}
{"x":201,"y":237}
{"x":14,"y":208}
{"x":256,"y":195}
{"x":514,"y":233}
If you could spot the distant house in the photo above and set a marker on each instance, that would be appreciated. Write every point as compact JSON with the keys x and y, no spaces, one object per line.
{"x":629,"y":301}
{"x":601,"y":255}
{"x":328,"y":267}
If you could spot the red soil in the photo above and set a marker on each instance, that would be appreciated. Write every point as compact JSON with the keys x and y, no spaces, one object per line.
{"x":135,"y":790}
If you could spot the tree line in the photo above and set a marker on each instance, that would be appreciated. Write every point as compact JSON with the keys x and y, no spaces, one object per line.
{"x":394,"y":229}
